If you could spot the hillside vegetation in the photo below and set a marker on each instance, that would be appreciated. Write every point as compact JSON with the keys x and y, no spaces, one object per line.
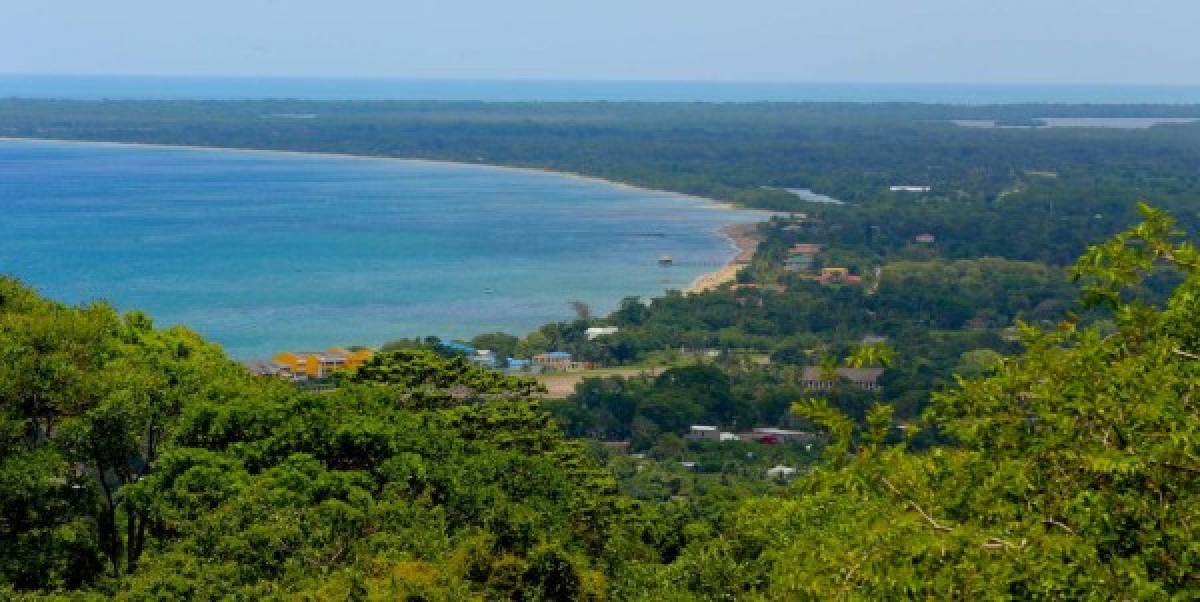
{"x":141,"y":464}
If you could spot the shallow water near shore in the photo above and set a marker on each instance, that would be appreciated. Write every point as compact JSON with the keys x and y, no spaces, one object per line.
{"x":264,"y":252}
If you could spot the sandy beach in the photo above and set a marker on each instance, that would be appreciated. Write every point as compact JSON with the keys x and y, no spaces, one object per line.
{"x":745,"y":238}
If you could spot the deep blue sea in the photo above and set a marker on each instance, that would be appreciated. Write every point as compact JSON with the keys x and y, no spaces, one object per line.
{"x":264,"y":252}
{"x":173,"y":87}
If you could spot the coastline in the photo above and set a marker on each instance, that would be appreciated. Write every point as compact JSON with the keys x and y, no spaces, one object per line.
{"x":713,"y":203}
{"x":744,"y":238}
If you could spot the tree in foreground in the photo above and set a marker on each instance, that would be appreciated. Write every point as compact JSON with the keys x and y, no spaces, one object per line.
{"x":141,"y":464}
{"x":1074,"y":470}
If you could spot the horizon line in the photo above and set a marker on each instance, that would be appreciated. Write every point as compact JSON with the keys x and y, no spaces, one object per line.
{"x":520,"y":79}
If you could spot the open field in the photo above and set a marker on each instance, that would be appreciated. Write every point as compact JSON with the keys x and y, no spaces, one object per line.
{"x":563,"y":384}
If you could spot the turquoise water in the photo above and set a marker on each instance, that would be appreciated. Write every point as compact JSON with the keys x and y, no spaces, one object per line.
{"x":264,"y":252}
{"x":168,"y":87}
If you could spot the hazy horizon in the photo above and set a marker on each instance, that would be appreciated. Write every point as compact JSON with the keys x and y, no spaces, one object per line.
{"x":1102,"y":42}
{"x":602,"y":80}
{"x":174,"y":87}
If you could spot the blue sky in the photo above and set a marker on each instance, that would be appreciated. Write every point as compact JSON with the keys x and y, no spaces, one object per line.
{"x":1067,"y":41}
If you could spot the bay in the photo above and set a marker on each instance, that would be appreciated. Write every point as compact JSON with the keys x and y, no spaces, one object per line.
{"x":264,"y":252}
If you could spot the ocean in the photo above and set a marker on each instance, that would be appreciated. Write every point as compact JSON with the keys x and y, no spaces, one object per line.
{"x":176,"y":87}
{"x":264,"y":252}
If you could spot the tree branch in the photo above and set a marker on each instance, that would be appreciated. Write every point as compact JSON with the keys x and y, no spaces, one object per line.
{"x":1178,"y":351}
{"x":1051,"y":521}
{"x":995,"y":543}
{"x":932,"y":522}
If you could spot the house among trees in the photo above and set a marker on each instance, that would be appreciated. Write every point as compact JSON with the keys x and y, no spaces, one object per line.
{"x":805,"y":248}
{"x":519,"y":365}
{"x":926,"y":238}
{"x":320,"y":364}
{"x":838,"y":276}
{"x":815,"y":379}
{"x":484,"y":357}
{"x":556,"y":361}
{"x":801,"y":256}
{"x":799,"y":221}
{"x":616,"y":447}
{"x":777,"y":435}
{"x":798,"y":263}
{"x":269,"y":368}
{"x":599,"y":331}
{"x":459,"y":347}
{"x":701,"y":432}
{"x":780,"y":472}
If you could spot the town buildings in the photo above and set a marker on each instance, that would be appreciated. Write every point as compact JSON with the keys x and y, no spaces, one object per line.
{"x":318,"y":364}
{"x":557,"y":361}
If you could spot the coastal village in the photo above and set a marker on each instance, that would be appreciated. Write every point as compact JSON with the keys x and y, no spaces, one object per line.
{"x":803,"y":259}
{"x":560,"y":372}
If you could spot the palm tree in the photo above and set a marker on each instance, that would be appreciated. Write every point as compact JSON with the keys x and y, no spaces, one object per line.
{"x":872,"y":354}
{"x":829,"y":367}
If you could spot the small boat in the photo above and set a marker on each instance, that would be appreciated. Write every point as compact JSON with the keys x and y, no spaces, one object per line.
{"x":665,"y":260}
{"x":488,"y":291}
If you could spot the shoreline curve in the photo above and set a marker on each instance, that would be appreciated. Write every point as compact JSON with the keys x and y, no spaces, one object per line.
{"x":741,"y":236}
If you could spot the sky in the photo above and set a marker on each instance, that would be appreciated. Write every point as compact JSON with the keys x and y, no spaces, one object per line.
{"x":969,"y":41}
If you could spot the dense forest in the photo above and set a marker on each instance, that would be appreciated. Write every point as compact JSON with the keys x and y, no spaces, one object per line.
{"x":726,"y":151}
{"x":141,"y":464}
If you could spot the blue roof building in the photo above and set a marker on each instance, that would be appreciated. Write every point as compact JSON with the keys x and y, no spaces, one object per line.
{"x":459,"y":347}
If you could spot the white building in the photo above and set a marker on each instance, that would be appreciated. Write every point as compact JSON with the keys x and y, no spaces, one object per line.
{"x":599,"y":331}
{"x":704,"y":432}
{"x":781,"y":472}
{"x":781,"y":435}
{"x":484,"y":357}
{"x":910,"y":188}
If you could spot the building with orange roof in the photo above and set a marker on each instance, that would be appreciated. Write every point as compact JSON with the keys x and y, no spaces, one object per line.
{"x":319,"y":364}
